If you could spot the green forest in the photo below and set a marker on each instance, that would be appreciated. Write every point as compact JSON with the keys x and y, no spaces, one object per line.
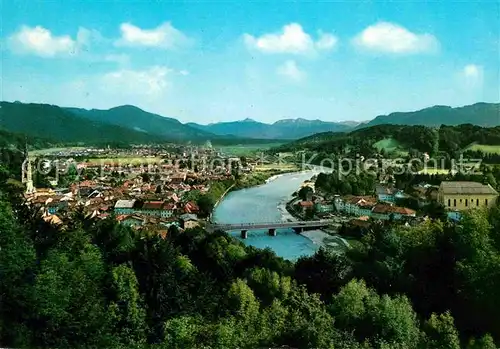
{"x":98,"y":284}
{"x":442,"y":141}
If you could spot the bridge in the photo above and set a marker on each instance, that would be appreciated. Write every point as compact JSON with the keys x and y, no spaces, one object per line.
{"x":298,"y":226}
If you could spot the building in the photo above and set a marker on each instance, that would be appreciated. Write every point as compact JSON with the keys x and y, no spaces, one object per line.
{"x":189,"y":221}
{"x":368,"y":207}
{"x":156,"y":208}
{"x":305,"y":205}
{"x":324,"y":207}
{"x":388,"y":194}
{"x":461,"y":196}
{"x":385,"y":212}
{"x":124,"y":206}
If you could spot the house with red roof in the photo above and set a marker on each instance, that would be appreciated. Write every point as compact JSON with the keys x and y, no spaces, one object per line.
{"x":156,"y":208}
{"x":191,"y":207}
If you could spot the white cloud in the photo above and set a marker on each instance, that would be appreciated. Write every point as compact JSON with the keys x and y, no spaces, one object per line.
{"x":473,"y":75}
{"x":290,"y":70}
{"x":164,"y":36}
{"x":293,"y":39}
{"x":150,"y":82}
{"x":326,"y":41}
{"x":392,"y":38}
{"x":42,"y":42}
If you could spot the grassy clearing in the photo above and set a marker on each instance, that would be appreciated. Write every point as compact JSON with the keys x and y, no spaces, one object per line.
{"x":390,"y":145}
{"x":278,"y":167}
{"x":431,"y":171}
{"x":487,"y":149}
{"x":125,"y":160}
{"x":54,"y":150}
{"x":246,"y":149}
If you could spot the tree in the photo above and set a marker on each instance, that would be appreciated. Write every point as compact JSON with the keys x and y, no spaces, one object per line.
{"x":68,"y":299}
{"x":441,"y":332}
{"x":181,"y":332}
{"x":323,"y":273}
{"x":17,"y":264}
{"x":374,"y":318}
{"x":485,"y":342}
{"x":126,"y":311}
{"x":146,"y":178}
{"x":206,"y":205}
{"x":305,"y":193}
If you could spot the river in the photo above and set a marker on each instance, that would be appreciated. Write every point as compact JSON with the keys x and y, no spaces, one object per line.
{"x":266,"y":203}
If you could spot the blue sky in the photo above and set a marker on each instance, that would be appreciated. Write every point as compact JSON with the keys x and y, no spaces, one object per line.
{"x":208,"y":61}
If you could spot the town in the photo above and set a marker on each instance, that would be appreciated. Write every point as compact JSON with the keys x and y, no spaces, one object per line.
{"x":249,"y":174}
{"x":146,"y":187}
{"x":153,"y":188}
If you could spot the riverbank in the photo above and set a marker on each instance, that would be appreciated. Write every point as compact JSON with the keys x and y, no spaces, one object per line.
{"x":325,"y":238}
{"x":267,"y":203}
{"x":259,"y":178}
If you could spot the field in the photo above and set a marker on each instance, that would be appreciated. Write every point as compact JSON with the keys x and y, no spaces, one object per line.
{"x":279,"y":167}
{"x":47,"y":151}
{"x":487,"y":149}
{"x":246,"y":149}
{"x":431,"y":171}
{"x":390,"y":145}
{"x":125,"y":160}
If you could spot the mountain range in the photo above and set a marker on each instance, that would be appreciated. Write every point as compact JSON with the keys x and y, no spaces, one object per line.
{"x":480,"y":114}
{"x":282,"y":129}
{"x":142,"y":121}
{"x":130,"y":124}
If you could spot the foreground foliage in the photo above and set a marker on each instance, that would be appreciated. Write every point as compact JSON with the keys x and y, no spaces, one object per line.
{"x":104,"y":285}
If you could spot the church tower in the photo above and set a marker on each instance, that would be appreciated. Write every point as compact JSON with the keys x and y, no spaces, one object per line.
{"x":27,"y":172}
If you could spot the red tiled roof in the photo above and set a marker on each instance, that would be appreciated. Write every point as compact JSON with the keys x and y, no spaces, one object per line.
{"x":403,"y":210}
{"x":122,"y":217}
{"x":382,"y":208}
{"x":169,"y":206}
{"x":306,"y":204}
{"x":153,"y":205}
{"x":361,"y":200}
{"x":191,"y":207}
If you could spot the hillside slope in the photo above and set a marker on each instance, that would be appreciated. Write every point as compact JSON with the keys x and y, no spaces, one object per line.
{"x":142,"y":121}
{"x":481,"y":114}
{"x":282,"y":129}
{"x":399,"y":139}
{"x":59,"y":124}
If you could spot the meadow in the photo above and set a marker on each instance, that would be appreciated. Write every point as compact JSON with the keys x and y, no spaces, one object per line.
{"x":246,"y":149}
{"x":390,"y":145}
{"x":125,"y":161}
{"x":278,"y":167}
{"x":487,"y":149}
{"x":48,"y":151}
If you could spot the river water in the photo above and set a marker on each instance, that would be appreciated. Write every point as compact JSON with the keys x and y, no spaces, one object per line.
{"x":264,"y":204}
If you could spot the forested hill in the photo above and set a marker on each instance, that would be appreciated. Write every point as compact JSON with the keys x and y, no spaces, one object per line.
{"x":53,"y":122}
{"x":481,"y":114}
{"x":100,"y":284}
{"x":399,"y":138}
{"x":9,"y":140}
{"x":282,"y":129}
{"x":137,"y":119}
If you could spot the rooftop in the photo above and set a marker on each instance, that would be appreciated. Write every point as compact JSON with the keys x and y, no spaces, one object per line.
{"x":467,"y":188}
{"x":125,"y":204}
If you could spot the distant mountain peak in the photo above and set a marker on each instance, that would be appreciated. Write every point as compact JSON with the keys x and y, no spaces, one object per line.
{"x":248,"y":120}
{"x":126,"y":107}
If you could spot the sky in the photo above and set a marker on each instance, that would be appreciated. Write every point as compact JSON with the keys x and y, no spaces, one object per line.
{"x":209,"y":61}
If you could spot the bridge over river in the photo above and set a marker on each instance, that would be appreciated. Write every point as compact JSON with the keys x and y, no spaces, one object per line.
{"x":298,"y":226}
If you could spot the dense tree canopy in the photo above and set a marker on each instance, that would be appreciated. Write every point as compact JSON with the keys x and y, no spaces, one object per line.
{"x":101,"y":284}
